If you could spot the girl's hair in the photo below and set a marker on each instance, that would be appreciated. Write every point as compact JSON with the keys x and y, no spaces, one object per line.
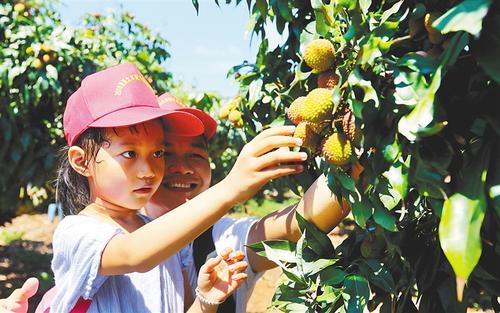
{"x":72,"y":189}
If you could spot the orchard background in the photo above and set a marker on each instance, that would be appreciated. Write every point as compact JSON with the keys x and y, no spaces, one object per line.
{"x":415,"y":82}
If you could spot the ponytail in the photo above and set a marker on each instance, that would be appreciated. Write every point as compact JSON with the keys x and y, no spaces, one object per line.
{"x":72,"y":189}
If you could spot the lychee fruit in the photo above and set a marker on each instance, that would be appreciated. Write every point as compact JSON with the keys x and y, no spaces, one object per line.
{"x":328,"y":80}
{"x":234,"y":116}
{"x":336,"y":149}
{"x":350,"y":129}
{"x":319,"y":54}
{"x":318,"y":106}
{"x":309,"y":138}
{"x":294,"y":110}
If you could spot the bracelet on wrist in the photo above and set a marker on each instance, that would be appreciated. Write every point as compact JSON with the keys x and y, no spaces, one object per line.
{"x":205,"y":300}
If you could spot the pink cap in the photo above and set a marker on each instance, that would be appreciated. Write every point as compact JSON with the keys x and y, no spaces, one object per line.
{"x":120,"y":96}
{"x":168,"y":101}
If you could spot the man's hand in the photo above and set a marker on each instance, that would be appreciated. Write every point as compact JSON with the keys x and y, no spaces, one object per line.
{"x":219,"y":277}
{"x":17,"y":302}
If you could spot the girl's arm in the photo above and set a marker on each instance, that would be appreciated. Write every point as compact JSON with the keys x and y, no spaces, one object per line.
{"x":151,"y":244}
{"x":318,"y":205}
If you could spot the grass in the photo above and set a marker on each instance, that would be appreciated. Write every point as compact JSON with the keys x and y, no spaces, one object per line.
{"x":6,"y":237}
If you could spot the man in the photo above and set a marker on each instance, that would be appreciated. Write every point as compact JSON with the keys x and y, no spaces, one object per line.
{"x":188,"y":173}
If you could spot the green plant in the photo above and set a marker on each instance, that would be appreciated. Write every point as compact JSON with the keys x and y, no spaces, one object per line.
{"x":6,"y":237}
{"x":42,"y":61}
{"x":421,"y":78}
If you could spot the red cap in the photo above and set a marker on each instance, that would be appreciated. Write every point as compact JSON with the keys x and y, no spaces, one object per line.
{"x":168,"y":101}
{"x":120,"y":96}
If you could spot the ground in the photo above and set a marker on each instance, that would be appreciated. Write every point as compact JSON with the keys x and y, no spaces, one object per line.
{"x":20,"y":259}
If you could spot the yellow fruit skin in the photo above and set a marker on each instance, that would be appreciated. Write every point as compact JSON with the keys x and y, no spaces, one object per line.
{"x":318,"y":128}
{"x":336,"y":149}
{"x":224,"y":112}
{"x":45,"y":48}
{"x":294,"y":110}
{"x":309,"y":138}
{"x":37,"y":64}
{"x":234,"y":116}
{"x":238,"y":123}
{"x":328,"y":80}
{"x":435,"y":36}
{"x":19,"y":7}
{"x":318,"y":106}
{"x":319,"y":54}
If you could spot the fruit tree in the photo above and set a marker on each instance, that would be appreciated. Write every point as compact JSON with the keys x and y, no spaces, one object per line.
{"x":42,"y":61}
{"x":409,"y":89}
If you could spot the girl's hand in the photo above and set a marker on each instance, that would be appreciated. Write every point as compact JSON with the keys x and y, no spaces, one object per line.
{"x":17,"y":302}
{"x":258,"y":161}
{"x":219,"y":277}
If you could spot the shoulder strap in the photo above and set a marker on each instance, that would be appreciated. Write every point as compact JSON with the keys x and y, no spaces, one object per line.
{"x":203,"y":246}
{"x":81,"y":306}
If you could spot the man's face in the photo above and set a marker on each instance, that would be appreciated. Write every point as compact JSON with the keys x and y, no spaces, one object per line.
{"x":187,"y":173}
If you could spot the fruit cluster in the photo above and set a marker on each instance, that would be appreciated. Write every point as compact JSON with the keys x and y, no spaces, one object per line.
{"x":230,"y":111}
{"x":45,"y":56}
{"x":326,"y":128}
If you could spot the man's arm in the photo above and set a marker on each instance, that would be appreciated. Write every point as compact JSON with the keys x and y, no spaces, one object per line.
{"x":319,"y":206}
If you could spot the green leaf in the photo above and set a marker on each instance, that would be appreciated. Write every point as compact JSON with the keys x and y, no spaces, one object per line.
{"x":282,"y":249}
{"x":361,"y":210}
{"x":394,"y":9}
{"x":384,"y":218}
{"x":332,"y":276}
{"x":51,"y":71}
{"x":330,"y":295}
{"x":422,"y":116}
{"x":462,"y":218}
{"x":466,"y":16}
{"x":377,"y":273}
{"x":487,"y":48}
{"x":254,"y":92}
{"x":323,"y":17}
{"x":397,"y":175}
{"x":317,"y":240}
{"x":196,"y":5}
{"x":312,"y":268}
{"x":356,"y":79}
{"x":284,"y":10}
{"x":356,"y":293}
{"x":459,"y":229}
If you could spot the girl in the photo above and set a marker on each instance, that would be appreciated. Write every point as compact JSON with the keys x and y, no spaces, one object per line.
{"x":107,"y":252}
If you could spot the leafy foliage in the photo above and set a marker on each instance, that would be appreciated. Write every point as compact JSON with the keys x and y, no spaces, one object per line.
{"x":422,"y":80}
{"x":42,"y":61}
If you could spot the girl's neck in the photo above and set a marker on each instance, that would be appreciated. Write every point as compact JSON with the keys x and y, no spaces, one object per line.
{"x":127,"y":219}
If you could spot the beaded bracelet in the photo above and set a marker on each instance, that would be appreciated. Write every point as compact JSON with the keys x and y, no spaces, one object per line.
{"x":205,"y":300}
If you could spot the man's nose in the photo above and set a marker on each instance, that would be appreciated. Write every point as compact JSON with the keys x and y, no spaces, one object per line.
{"x":179,"y":166}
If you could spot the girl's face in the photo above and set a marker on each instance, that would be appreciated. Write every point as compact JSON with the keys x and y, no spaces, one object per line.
{"x":129,"y":168}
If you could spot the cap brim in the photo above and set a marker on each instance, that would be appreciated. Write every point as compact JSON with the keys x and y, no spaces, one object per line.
{"x":210,"y":125}
{"x":181,"y":123}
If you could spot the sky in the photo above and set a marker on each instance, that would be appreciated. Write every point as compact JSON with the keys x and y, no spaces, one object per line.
{"x":203,"y":48}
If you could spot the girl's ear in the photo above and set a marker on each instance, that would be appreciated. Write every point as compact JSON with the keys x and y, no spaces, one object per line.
{"x":76,"y":158}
